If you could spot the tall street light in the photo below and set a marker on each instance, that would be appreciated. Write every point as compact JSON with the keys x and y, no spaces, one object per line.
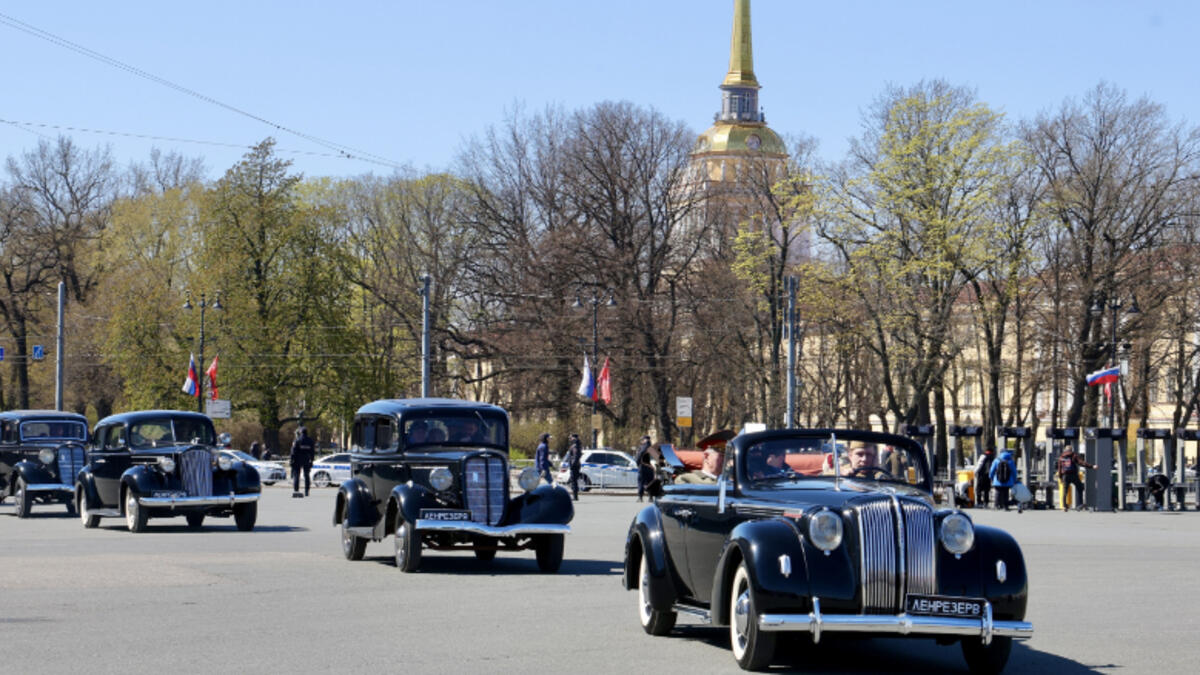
{"x":598,"y":296}
{"x":1114,"y":305}
{"x":187,"y":305}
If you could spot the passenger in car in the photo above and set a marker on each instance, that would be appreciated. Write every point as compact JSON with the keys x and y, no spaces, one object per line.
{"x":437,"y":436}
{"x":418,"y":433}
{"x":708,"y":471}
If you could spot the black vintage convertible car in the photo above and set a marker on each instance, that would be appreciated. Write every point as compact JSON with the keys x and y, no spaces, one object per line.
{"x":825,"y":531}
{"x":434,"y":473}
{"x":41,"y":451}
{"x":163,"y":463}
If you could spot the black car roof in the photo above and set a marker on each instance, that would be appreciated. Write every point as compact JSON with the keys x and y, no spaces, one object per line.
{"x":139,"y":415}
{"x":399,"y":406}
{"x":42,"y":414}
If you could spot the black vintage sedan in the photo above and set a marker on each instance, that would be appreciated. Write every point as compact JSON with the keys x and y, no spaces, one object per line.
{"x":825,"y":531}
{"x":160,"y":464}
{"x":434,"y":473}
{"x":41,"y":451}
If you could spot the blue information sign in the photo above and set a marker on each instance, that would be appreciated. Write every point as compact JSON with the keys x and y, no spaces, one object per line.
{"x":1,"y":353}
{"x":39,"y":352}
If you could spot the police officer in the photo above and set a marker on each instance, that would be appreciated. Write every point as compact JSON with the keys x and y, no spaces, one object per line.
{"x":643,"y":448}
{"x":541,"y":457}
{"x":574,"y":460}
{"x":304,"y":451}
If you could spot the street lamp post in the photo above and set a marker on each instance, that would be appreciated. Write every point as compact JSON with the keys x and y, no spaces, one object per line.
{"x":597,"y":297}
{"x":1114,"y":305}
{"x":187,"y":305}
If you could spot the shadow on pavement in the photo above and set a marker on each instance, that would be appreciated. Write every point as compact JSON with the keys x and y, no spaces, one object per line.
{"x":453,"y":563}
{"x":216,"y":526}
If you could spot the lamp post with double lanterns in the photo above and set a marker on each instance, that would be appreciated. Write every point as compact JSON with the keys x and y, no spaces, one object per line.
{"x":598,"y":296}
{"x":1114,"y":305}
{"x":204,"y":304}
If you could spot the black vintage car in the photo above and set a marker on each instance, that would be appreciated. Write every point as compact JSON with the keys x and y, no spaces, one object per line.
{"x":783,"y":543}
{"x":434,"y":473}
{"x":41,"y":451}
{"x":160,"y":464}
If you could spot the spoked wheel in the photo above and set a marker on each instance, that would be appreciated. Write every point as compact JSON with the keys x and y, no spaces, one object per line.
{"x":244,"y":516}
{"x":408,"y":548}
{"x":752,"y":647}
{"x":990,"y":659}
{"x":88,"y":521}
{"x":549,"y":550}
{"x":353,"y":546}
{"x":136,"y":517}
{"x":321,"y":479}
{"x":195,"y":520}
{"x":653,"y":621}
{"x":22,"y":499}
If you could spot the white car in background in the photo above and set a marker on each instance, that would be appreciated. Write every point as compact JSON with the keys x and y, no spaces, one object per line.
{"x":268,"y":472}
{"x":601,"y":467}
{"x":331,"y":470}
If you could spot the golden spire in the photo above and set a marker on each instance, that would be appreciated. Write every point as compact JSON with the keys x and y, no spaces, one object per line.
{"x":741,"y":51}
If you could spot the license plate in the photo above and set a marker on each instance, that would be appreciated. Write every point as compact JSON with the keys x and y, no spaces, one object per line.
{"x":168,"y":494}
{"x":942,"y":605}
{"x":445,"y":514}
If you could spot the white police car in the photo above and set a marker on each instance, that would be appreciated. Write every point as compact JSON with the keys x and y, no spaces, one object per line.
{"x":268,"y":472}
{"x":602,"y":468}
{"x":331,"y":470}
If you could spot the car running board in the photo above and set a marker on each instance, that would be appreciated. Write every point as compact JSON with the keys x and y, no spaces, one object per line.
{"x":698,"y":612}
{"x":104,"y":513}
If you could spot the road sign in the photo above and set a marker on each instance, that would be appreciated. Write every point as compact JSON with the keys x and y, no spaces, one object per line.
{"x":1,"y":353}
{"x":39,"y":352}
{"x":683,"y":411}
{"x":219,"y":409}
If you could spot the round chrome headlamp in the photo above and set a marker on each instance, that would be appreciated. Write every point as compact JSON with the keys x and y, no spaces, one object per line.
{"x":46,"y":455}
{"x":957,"y":534}
{"x":825,"y":530}
{"x":167,"y":464}
{"x":224,"y":463}
{"x":441,"y":479}
{"x":528,"y":479}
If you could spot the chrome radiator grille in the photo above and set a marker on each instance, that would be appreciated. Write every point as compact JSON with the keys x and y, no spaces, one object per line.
{"x":896,"y":553}
{"x":484,"y":478}
{"x":70,"y":463}
{"x":195,"y":468}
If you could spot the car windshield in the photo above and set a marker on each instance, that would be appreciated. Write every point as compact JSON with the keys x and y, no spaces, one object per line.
{"x":53,"y":430}
{"x":798,"y":459}
{"x":166,"y":431}
{"x":467,"y":427}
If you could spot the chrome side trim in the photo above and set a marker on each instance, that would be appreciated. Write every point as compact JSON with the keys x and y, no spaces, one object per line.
{"x":103,"y":513}
{"x":702,"y":614}
{"x":901,"y":624}
{"x":225,"y":500}
{"x":49,"y":487}
{"x":367,"y":532}
{"x":490,"y":530}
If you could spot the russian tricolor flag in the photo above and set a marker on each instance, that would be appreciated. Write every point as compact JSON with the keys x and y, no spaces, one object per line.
{"x":1106,"y":376}
{"x":587,"y":387}
{"x":191,"y":386}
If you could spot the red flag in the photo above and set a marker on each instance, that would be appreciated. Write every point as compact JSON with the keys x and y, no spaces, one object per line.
{"x":1108,"y":390}
{"x":212,"y":377}
{"x":603,"y":385}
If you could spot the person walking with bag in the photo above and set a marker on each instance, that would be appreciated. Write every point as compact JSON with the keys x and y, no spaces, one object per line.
{"x":574,"y":460}
{"x":541,"y":458}
{"x":1003,"y":475}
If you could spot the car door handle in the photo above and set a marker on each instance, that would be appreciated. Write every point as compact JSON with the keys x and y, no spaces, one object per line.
{"x":684,"y":514}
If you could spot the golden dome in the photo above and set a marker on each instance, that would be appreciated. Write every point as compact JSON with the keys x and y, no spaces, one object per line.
{"x":745,"y":139}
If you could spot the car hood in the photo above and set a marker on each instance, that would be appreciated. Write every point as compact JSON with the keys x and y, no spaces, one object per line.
{"x":821,"y":492}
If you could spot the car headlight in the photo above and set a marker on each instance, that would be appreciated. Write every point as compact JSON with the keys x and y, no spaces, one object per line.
{"x":958,"y":533}
{"x":528,"y":479}
{"x":46,"y":455}
{"x":441,"y":479}
{"x":224,"y":463}
{"x":167,"y":464}
{"x":825,"y":530}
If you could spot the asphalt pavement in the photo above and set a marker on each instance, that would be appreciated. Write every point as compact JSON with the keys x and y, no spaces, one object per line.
{"x":1109,"y":593}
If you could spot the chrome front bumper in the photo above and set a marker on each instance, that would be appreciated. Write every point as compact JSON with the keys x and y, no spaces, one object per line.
{"x":901,"y":624}
{"x":216,"y":500}
{"x":50,"y":487}
{"x":490,"y":530}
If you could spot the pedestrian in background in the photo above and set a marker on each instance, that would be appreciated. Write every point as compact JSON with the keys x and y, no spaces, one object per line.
{"x":574,"y":460}
{"x":304,"y":451}
{"x":1003,"y":475}
{"x":648,"y":477}
{"x":642,"y":452}
{"x":541,"y":457}
{"x":256,"y":450}
{"x":1068,"y":473}
{"x":983,"y":480}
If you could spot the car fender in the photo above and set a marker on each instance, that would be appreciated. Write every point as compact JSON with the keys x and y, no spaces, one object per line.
{"x":761,"y":543}
{"x":406,"y":501}
{"x":645,"y":539}
{"x":141,"y":479}
{"x":32,"y":471}
{"x":550,"y":504}
{"x":1008,"y":597}
{"x":87,"y":482}
{"x":246,"y":478}
{"x":354,"y":501}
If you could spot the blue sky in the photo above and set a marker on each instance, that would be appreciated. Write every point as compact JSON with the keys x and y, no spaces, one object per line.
{"x":410,"y":82}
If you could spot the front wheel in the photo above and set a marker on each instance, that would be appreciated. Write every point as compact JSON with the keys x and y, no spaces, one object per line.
{"x":653,"y":621}
{"x":136,"y":517}
{"x":752,"y":648}
{"x":23,"y":500}
{"x":268,"y":483}
{"x":321,"y":479}
{"x":244,"y":516}
{"x":353,"y":546}
{"x":990,"y":659}
{"x":88,"y":521}
{"x":549,"y":549}
{"x":408,"y":547}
